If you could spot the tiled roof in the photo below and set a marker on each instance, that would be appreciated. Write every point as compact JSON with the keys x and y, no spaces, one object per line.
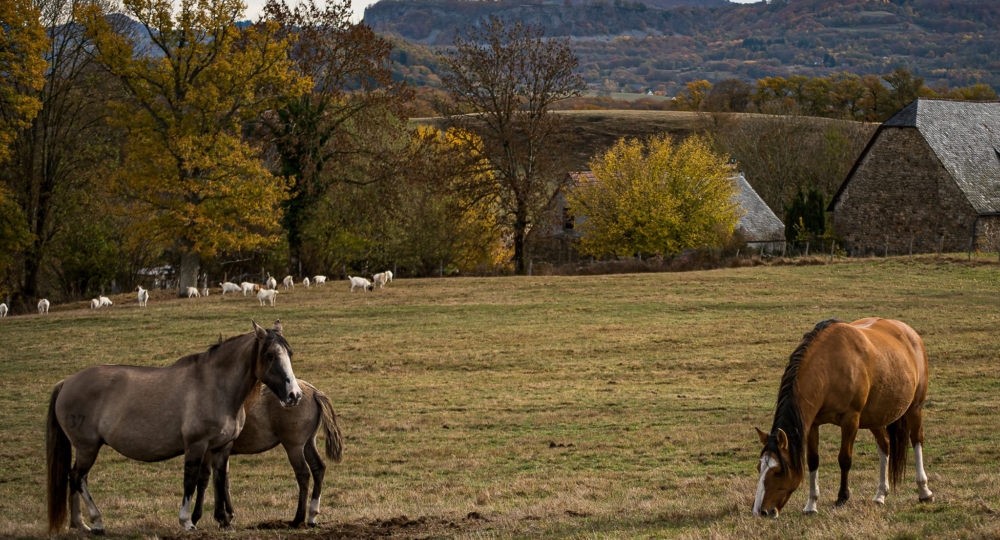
{"x":965,"y":137}
{"x":759,"y":223}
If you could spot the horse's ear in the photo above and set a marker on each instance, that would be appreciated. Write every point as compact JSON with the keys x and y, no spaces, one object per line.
{"x":782,"y":440}
{"x":278,"y":328}
{"x":261,"y":333}
{"x":762,"y":435}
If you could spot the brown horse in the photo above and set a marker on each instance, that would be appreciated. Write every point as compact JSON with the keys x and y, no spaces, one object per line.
{"x":269,"y":424}
{"x":870,"y":374}
{"x":193,"y":407}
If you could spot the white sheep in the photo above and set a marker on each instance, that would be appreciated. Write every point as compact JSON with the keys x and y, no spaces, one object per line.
{"x":357,"y":281}
{"x":267,"y":295}
{"x":204,"y":292}
{"x":3,"y":310}
{"x":247,"y":287}
{"x":143,"y":296}
{"x":389,"y":274}
{"x":379,"y":279}
{"x":320,"y":280}
{"x":305,"y":281}
{"x":271,"y":282}
{"x":229,"y":287}
{"x":192,"y":291}
{"x":95,"y":303}
{"x":43,"y":306}
{"x":288,"y":282}
{"x":105,"y":301}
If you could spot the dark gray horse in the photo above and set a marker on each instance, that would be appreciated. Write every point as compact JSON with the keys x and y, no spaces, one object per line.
{"x":193,"y":407}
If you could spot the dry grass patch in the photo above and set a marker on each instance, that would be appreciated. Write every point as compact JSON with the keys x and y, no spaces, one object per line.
{"x":598,"y":406}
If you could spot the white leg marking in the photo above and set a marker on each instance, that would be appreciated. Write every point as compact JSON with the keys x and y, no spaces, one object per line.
{"x":185,"y":517}
{"x":883,"y":478}
{"x":95,"y":514}
{"x":813,"y":493}
{"x":918,"y":456}
{"x":75,"y":519}
{"x":313,"y":511}
{"x":766,"y":462}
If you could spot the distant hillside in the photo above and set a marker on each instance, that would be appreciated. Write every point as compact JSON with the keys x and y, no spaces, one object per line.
{"x":949,"y":42}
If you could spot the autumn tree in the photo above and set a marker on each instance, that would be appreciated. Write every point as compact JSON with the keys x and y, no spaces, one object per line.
{"x":693,"y":95}
{"x":509,"y":76}
{"x":326,"y":135}
{"x":22,"y":67}
{"x":192,"y":85}
{"x":656,"y":196}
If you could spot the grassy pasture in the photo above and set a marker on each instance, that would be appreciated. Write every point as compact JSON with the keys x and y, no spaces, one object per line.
{"x":605,"y":406}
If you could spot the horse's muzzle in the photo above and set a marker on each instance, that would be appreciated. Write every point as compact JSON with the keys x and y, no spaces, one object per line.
{"x":294,"y":397}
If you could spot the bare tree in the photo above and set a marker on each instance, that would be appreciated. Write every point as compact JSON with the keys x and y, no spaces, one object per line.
{"x":508,"y":76}
{"x":326,"y":135}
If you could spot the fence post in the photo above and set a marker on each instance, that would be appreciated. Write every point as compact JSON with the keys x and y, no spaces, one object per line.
{"x":807,"y":249}
{"x":531,"y":265}
{"x":784,"y":246}
{"x":887,"y":247}
{"x":911,"y":248}
{"x":833,"y":247}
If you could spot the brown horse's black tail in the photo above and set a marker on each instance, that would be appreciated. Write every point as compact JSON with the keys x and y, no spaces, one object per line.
{"x":899,"y":440}
{"x":334,"y":441}
{"x":58,"y":453}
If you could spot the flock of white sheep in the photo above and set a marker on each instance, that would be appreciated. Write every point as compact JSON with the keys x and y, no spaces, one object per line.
{"x":265,"y":293}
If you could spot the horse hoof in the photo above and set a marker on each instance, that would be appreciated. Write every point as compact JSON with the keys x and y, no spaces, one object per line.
{"x":98,"y":532}
{"x":927,"y":499}
{"x":312,"y":525}
{"x":840,"y":502}
{"x":810,"y":512}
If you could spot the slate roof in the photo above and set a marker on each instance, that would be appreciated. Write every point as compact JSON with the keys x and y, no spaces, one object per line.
{"x":759,"y":224}
{"x":965,"y":137}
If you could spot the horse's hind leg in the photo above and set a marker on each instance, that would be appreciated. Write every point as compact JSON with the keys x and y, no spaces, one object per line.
{"x":915,"y":422}
{"x":812,"y":458}
{"x":318,"y":469}
{"x":882,"y":441}
{"x":296,"y":457}
{"x":848,"y":432}
{"x":85,"y":458}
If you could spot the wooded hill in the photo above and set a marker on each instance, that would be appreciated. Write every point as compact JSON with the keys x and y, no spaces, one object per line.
{"x":948,"y":42}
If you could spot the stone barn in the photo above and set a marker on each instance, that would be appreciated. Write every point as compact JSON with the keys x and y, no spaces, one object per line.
{"x":929,"y":178}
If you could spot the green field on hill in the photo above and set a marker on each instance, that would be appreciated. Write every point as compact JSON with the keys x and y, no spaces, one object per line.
{"x":602,"y":406}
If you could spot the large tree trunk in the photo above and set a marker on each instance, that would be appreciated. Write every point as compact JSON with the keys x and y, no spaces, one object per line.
{"x":190,"y":265}
{"x":520,"y":251}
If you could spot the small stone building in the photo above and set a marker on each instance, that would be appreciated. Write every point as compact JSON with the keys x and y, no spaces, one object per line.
{"x":929,"y":177}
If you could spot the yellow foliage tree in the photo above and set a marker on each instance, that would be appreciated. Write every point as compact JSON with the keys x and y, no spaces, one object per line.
{"x":193,"y":85}
{"x":22,"y":67}
{"x":655,"y":197}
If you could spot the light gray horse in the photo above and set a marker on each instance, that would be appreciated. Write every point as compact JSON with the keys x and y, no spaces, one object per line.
{"x":193,"y":407}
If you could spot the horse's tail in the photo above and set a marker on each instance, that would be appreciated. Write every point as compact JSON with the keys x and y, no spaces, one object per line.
{"x":334,"y":441}
{"x":899,"y":439}
{"x":57,"y":457}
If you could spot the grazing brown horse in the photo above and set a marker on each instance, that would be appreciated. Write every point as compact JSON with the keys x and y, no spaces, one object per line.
{"x":269,"y":424}
{"x":870,"y":374}
{"x":193,"y":407}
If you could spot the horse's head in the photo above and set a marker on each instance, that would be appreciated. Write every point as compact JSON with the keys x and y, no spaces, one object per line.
{"x":778,"y":480}
{"x":274,"y":365}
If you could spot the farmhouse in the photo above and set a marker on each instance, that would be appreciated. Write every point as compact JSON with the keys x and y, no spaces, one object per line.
{"x":929,"y":177}
{"x":758,"y":224}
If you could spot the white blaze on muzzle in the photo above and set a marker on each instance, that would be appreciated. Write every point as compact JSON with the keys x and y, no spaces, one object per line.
{"x":292,"y":389}
{"x":766,"y":463}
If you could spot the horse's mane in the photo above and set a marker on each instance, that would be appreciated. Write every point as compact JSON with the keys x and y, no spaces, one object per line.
{"x":255,"y":391}
{"x":787,"y":416}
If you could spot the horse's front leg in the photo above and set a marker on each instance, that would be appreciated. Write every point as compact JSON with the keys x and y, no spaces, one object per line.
{"x":812,"y":459}
{"x":194,"y":456}
{"x":203,"y":478}
{"x":220,"y":481}
{"x":296,"y":456}
{"x":848,"y":432}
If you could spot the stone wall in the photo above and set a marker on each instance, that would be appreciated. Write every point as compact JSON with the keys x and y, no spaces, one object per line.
{"x":900,"y":193}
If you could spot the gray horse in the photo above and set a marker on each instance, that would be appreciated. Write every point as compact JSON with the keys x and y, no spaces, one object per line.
{"x":269,"y":424}
{"x":193,"y":407}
